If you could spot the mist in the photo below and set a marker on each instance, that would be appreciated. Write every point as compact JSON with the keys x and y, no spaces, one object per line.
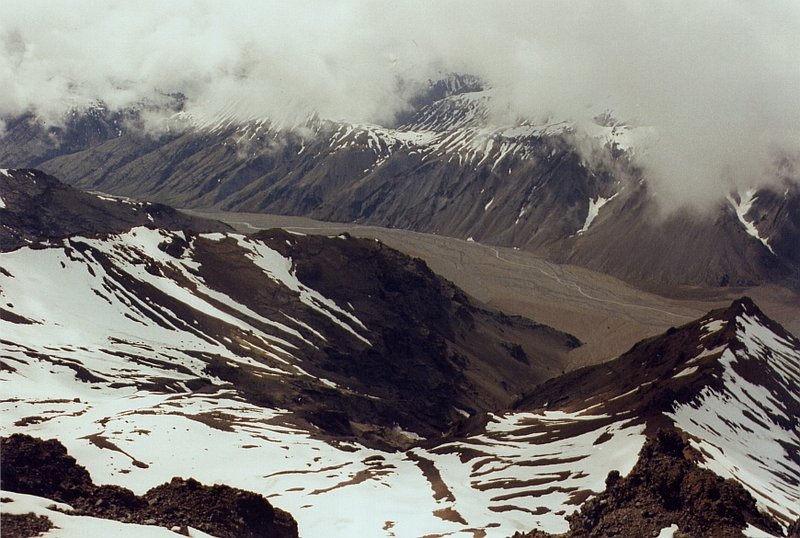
{"x":718,"y":82}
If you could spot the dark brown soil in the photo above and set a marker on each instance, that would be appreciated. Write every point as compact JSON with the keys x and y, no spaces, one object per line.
{"x":43,"y":468}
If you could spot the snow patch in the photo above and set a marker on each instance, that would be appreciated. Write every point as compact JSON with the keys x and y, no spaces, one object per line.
{"x":668,"y":532}
{"x":685,"y":372}
{"x":712,"y":326}
{"x":754,"y":532}
{"x":594,"y":210}
{"x":742,"y":208}
{"x":737,"y":427}
{"x":280,"y":269}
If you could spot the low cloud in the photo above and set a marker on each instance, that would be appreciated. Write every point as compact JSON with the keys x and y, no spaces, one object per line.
{"x":718,"y":82}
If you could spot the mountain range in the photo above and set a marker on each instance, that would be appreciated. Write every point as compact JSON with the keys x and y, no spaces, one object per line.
{"x":348,"y":385}
{"x":571,"y":191}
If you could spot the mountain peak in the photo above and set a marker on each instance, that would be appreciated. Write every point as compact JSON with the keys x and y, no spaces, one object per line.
{"x":732,"y":372}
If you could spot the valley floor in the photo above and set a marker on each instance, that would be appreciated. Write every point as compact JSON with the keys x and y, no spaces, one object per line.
{"x":605,"y":313}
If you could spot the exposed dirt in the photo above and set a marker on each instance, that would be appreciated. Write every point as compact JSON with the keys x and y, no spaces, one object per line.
{"x":664,"y":488}
{"x":43,"y":468}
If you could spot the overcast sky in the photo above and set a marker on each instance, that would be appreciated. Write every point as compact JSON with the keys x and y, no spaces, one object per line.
{"x":719,"y":81}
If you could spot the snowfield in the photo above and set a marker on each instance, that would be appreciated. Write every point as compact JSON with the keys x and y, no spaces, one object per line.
{"x":107,"y":373}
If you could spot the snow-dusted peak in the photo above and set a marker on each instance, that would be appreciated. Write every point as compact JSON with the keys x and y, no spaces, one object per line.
{"x":745,"y":422}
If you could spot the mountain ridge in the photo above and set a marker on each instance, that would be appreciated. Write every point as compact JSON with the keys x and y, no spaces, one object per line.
{"x":567,"y":190}
{"x":335,"y":368}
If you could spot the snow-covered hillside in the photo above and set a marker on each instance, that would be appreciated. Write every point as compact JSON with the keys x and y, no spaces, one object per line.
{"x":95,"y":358}
{"x":350,"y":385}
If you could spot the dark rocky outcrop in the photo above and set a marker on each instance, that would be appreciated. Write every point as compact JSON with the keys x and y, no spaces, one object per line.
{"x":664,"y":488}
{"x":24,"y":525}
{"x":43,"y":468}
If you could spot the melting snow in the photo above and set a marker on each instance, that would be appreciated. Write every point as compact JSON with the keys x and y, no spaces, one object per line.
{"x":713,"y":326}
{"x":594,"y":210}
{"x":685,"y":372}
{"x":668,"y":532}
{"x":754,"y":532}
{"x":737,"y":427}
{"x":742,"y":208}
{"x":280,"y":269}
{"x":325,"y":487}
{"x":528,"y":470}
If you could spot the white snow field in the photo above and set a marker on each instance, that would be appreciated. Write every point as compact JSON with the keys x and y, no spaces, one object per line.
{"x":81,"y":352}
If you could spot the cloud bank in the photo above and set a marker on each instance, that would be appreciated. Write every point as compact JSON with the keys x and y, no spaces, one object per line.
{"x":719,"y":81}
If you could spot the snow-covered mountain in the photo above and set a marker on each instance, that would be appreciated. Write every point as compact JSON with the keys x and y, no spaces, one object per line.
{"x":729,"y":382}
{"x":566,"y":189}
{"x":331,"y":327}
{"x":364,"y":395}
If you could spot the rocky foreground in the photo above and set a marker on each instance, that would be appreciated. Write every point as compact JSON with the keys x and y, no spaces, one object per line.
{"x":44,"y":469}
{"x":666,"y":490}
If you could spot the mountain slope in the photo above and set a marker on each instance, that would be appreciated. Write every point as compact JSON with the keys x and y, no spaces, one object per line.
{"x":566,"y":189}
{"x":35,"y":207}
{"x":333,"y":374}
{"x":354,"y":336}
{"x":666,"y":493}
{"x":530,"y":467}
{"x":729,"y":382}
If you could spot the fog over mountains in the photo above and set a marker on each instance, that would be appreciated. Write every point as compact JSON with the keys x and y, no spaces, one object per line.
{"x":717,"y":83}
{"x":613,"y":190}
{"x":568,"y":189}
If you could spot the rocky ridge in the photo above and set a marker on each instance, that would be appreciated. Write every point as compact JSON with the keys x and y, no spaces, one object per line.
{"x":365,"y":338}
{"x":667,"y":490}
{"x":37,"y":207}
{"x":44,"y":469}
